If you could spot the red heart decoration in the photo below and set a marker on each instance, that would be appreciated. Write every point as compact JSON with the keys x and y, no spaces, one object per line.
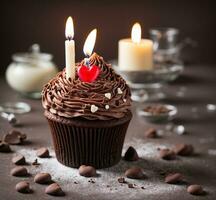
{"x":88,"y":74}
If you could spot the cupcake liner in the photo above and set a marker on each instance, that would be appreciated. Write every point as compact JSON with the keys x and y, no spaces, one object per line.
{"x":97,"y":143}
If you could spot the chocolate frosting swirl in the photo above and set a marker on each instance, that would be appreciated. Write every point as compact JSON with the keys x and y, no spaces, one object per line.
{"x":108,"y":97}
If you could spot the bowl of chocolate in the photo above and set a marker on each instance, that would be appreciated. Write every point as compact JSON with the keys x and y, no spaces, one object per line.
{"x":157,"y":113}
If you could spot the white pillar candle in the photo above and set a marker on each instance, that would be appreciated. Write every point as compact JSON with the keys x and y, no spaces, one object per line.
{"x":69,"y":49}
{"x":135,"y":53}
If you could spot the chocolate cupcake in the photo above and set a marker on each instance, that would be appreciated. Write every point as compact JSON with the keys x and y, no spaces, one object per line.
{"x":88,"y":120}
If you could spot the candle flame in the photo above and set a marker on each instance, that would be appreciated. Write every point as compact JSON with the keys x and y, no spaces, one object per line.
{"x":136,"y":33}
{"x":90,"y":42}
{"x":69,"y":29}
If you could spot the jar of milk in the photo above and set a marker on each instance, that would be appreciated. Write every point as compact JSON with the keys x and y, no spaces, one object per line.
{"x":30,"y":71}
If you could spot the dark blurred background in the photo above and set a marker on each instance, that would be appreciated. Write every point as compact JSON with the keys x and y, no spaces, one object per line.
{"x":43,"y":21}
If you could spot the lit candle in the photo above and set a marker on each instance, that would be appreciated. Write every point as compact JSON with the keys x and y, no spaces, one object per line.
{"x":69,"y":49}
{"x":87,"y":72}
{"x":89,"y":45}
{"x":135,"y":53}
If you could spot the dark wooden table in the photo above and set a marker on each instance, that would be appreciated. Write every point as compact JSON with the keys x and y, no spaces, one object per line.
{"x":199,"y":86}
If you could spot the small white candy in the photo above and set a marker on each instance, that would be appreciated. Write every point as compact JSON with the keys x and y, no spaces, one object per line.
{"x":94,"y":108}
{"x":124,"y":100}
{"x":119,"y":91}
{"x":107,"y":107}
{"x":53,"y":111}
{"x":107,"y":95}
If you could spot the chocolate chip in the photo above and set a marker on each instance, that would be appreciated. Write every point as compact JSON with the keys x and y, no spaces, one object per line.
{"x":131,"y":154}
{"x":87,"y":171}
{"x":134,"y":173}
{"x":42,"y":178}
{"x":14,"y":137}
{"x":142,"y":187}
{"x":54,"y":190}
{"x":184,"y":149}
{"x":167,"y":154}
{"x":91,"y":181}
{"x":121,"y":180}
{"x":151,"y":133}
{"x":5,"y":147}
{"x":43,"y":153}
{"x":195,"y":189}
{"x":23,"y":187}
{"x":19,"y":160}
{"x":19,"y":171}
{"x":173,"y":178}
{"x":130,"y":185}
{"x":35,"y":162}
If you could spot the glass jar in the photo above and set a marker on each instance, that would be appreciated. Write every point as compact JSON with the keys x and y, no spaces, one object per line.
{"x":165,"y":44}
{"x":30,"y":71}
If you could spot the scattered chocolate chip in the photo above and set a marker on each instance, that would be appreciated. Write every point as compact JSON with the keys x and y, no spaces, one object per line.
{"x":43,"y":153}
{"x":54,"y":190}
{"x":167,"y":154}
{"x":183,"y":149}
{"x":134,"y":173}
{"x":131,"y":154}
{"x":173,"y":178}
{"x":19,"y":160}
{"x":19,"y":171}
{"x":91,"y":181}
{"x":151,"y":133}
{"x":23,"y":187}
{"x":87,"y":171}
{"x":14,"y":137}
{"x":130,"y":185}
{"x":35,"y":162}
{"x":121,"y":180}
{"x":42,"y":178}
{"x":5,"y":147}
{"x":143,"y":187}
{"x":75,"y":182}
{"x":195,"y":189}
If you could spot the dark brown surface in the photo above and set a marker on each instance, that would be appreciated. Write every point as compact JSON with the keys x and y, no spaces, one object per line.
{"x":200,"y":87}
{"x":28,"y":21}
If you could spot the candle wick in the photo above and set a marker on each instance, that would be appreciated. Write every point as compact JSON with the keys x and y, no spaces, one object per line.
{"x":69,"y":38}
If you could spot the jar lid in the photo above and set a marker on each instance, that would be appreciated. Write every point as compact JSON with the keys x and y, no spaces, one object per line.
{"x":33,"y":55}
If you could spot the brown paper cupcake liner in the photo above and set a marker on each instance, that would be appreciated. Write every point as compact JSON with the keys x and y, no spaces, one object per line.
{"x":96,"y":143}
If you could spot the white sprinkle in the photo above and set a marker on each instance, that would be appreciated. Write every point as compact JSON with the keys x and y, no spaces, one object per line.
{"x":107,"y":107}
{"x":124,"y":100}
{"x":53,"y":111}
{"x":119,"y":91}
{"x":94,"y":108}
{"x":107,"y":95}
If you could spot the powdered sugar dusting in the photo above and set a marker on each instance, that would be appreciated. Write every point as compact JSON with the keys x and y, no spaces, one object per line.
{"x":106,"y":181}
